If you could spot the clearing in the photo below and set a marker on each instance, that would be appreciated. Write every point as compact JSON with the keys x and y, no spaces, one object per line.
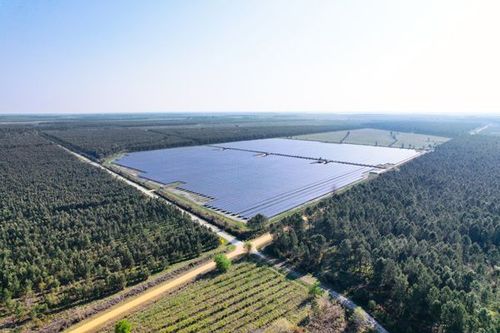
{"x":289,"y":172}
{"x":376,"y":137}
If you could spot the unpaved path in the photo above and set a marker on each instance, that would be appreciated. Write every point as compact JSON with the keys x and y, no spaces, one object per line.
{"x":309,"y":280}
{"x":94,"y":323}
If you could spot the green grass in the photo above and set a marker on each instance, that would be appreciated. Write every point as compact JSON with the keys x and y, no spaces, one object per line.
{"x":418,"y":141}
{"x":369,"y":136}
{"x":331,"y":137}
{"x":376,"y":137}
{"x":248,"y":297}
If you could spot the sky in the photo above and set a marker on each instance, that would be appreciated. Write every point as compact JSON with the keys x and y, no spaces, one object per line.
{"x":383,"y":56}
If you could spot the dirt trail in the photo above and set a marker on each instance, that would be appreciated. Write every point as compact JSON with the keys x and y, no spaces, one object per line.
{"x":94,"y":323}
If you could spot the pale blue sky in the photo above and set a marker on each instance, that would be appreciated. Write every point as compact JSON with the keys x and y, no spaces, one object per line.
{"x":258,"y":55}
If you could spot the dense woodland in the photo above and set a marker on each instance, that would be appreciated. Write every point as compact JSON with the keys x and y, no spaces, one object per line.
{"x":98,"y":142}
{"x":417,"y":247}
{"x":100,"y":139}
{"x":69,"y":232}
{"x":447,"y":129}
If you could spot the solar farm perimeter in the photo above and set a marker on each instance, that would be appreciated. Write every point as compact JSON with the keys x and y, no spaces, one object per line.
{"x":268,"y":176}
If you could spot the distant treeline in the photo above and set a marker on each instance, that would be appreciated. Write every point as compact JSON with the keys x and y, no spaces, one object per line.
{"x":448,"y":129}
{"x":70,"y":233}
{"x":99,"y":142}
{"x":418,"y":247}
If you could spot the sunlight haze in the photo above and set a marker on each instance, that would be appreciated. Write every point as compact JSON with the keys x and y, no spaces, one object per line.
{"x":318,"y":56}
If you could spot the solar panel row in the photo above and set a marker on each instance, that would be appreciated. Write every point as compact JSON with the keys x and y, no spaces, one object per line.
{"x":244,"y":183}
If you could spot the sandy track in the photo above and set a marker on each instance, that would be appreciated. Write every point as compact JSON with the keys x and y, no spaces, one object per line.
{"x":94,"y":323}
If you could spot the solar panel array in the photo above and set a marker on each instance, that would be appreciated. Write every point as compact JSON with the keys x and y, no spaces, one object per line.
{"x":362,"y":154}
{"x":244,"y":183}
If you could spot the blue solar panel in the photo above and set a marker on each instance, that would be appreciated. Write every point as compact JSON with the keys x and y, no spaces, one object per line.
{"x":246,"y":183}
{"x":331,"y":151}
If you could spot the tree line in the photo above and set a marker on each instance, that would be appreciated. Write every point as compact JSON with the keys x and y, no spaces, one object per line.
{"x":418,"y":246}
{"x":447,"y":128}
{"x":100,"y":141}
{"x":70,"y":233}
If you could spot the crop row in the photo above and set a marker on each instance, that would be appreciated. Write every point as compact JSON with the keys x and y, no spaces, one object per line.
{"x":245,"y":312}
{"x":247,"y":297}
{"x":222,"y":308}
{"x":184,"y":317}
{"x":180,"y":301}
{"x":289,"y":297}
{"x":203,"y":290}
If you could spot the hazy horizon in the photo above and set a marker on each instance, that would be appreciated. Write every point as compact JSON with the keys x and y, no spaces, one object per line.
{"x":263,"y":112}
{"x":426,"y":57}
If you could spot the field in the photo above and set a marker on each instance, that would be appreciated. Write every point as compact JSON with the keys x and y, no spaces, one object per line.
{"x":248,"y":297}
{"x":290,"y":172}
{"x":377,"y":137}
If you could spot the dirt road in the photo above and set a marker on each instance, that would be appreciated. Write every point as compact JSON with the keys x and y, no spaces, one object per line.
{"x":94,"y":323}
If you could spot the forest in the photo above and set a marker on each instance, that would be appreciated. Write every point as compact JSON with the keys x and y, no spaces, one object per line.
{"x":70,"y":233}
{"x":99,"y":142}
{"x":446,"y":128}
{"x":416,"y":247}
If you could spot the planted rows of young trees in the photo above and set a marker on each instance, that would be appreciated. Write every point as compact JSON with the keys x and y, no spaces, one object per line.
{"x":418,"y":247}
{"x":70,"y":233}
{"x":245,"y":298}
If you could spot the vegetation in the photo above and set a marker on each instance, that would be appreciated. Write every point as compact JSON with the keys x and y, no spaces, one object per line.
{"x":123,"y":326}
{"x":222,"y":262}
{"x":257,"y":222}
{"x":58,"y":322}
{"x":235,"y":227}
{"x":377,"y":137}
{"x":327,"y":317}
{"x":248,"y":247}
{"x":418,"y":246}
{"x":70,"y":233}
{"x":100,"y":141}
{"x":315,"y":290}
{"x":249,"y":297}
{"x":446,"y":128}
